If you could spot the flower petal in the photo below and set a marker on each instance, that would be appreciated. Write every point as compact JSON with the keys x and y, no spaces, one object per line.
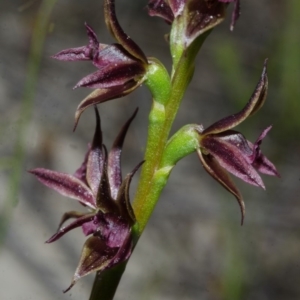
{"x":95,"y":158}
{"x":219,"y":174}
{"x":177,"y":6}
{"x":74,"y":54}
{"x":160,"y":8}
{"x":115,"y":55}
{"x":258,"y":160}
{"x":102,"y":95}
{"x":104,"y":200}
{"x":114,"y":159}
{"x":66,"y":185}
{"x":95,"y":256}
{"x":112,"y":75}
{"x":117,"y":31}
{"x":94,"y":44}
{"x":201,"y":16}
{"x":113,"y":229}
{"x":82,"y":53}
{"x":80,"y":173}
{"x":78,"y":222}
{"x":255,"y":103}
{"x":123,"y":198}
{"x":232,"y":159}
{"x":69,"y":215}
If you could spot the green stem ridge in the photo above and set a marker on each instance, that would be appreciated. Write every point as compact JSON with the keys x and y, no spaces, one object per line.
{"x":161,"y":119}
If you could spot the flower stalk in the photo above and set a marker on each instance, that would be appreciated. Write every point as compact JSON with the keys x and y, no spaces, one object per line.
{"x":153,"y":180}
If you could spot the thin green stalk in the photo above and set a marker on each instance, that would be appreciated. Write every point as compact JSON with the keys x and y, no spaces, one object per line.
{"x":106,"y":283}
{"x":150,"y":185}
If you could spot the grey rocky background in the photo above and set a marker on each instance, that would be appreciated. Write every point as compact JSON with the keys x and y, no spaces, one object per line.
{"x":193,"y":246}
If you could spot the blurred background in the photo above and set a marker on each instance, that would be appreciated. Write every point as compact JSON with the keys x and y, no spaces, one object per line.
{"x":193,"y":246}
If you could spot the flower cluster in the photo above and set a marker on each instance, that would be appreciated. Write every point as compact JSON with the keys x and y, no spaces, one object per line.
{"x":97,"y":185}
{"x":222,"y":148}
{"x":121,"y":66}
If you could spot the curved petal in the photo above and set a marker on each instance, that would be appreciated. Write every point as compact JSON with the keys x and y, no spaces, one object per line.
{"x":73,"y":54}
{"x":80,"y":173}
{"x":201,"y":16}
{"x":232,"y":159}
{"x":258,"y":160}
{"x":78,"y":222}
{"x":95,"y":256}
{"x":67,"y":185}
{"x":114,"y":159}
{"x":177,"y":6}
{"x":124,"y":251}
{"x":102,"y":95}
{"x":112,"y":228}
{"x":112,"y":75}
{"x":117,"y":31}
{"x":160,"y":8}
{"x":113,"y":54}
{"x":95,"y":158}
{"x":69,"y":215}
{"x":219,"y":174}
{"x":104,"y":200}
{"x":123,"y":199}
{"x":94,"y":45}
{"x":255,"y":103}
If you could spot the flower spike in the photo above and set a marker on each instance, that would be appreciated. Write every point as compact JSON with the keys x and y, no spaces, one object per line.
{"x":222,"y":149}
{"x":98,"y":185}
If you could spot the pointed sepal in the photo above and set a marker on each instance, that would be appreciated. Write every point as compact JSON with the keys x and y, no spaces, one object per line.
{"x":212,"y":167}
{"x":254,"y":104}
{"x":113,"y":25}
{"x":123,"y":199}
{"x":67,"y":185}
{"x":75,"y":224}
{"x":102,"y":95}
{"x":95,"y":256}
{"x":95,"y":158}
{"x":114,"y":158}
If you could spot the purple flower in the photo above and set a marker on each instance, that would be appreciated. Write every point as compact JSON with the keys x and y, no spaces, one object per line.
{"x":223,"y":149}
{"x":98,"y":185}
{"x":196,"y":16}
{"x":121,"y":66}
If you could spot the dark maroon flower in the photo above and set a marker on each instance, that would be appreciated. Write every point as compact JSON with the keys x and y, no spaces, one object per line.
{"x":222,"y":148}
{"x":98,"y":185}
{"x":196,"y":16}
{"x":121,"y":66}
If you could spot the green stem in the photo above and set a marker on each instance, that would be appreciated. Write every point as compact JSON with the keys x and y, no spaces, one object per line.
{"x":106,"y":283}
{"x":151,"y":184}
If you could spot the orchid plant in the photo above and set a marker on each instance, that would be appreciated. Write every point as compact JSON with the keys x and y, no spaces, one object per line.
{"x":113,"y":224}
